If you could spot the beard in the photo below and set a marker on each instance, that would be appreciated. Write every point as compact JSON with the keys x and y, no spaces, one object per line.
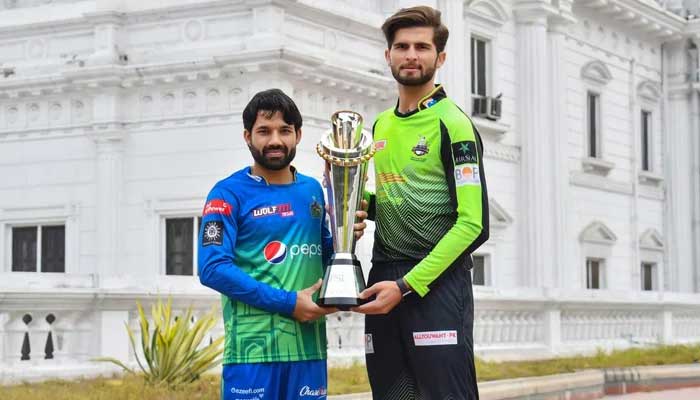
{"x":426,"y":74}
{"x":274,"y":164}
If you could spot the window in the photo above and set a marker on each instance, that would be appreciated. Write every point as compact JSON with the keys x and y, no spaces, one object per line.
{"x":39,"y":248}
{"x":181,"y":245}
{"x":646,"y":140}
{"x":479,"y":271}
{"x":594,"y":273}
{"x":479,"y":66}
{"x":648,"y":276}
{"x":593,"y":119}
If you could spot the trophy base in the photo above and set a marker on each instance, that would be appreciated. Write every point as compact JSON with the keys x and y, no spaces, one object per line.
{"x":341,"y":303}
{"x":342,"y":283}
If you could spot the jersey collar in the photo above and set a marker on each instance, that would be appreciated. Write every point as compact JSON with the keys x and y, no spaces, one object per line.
{"x":427,"y":101}
{"x":260,"y":179}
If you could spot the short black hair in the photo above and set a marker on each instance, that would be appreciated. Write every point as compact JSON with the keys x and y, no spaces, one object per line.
{"x":271,"y":101}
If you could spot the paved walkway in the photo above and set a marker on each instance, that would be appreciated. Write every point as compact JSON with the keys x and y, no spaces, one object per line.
{"x":681,"y":394}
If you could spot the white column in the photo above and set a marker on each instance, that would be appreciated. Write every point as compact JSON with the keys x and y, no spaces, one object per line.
{"x":536,"y":183}
{"x":678,"y":171}
{"x":4,"y":319}
{"x":107,"y":22}
{"x":558,"y":152}
{"x":552,"y":324}
{"x":268,"y":22}
{"x":695,"y":141}
{"x":667,"y":327}
{"x":110,"y":159}
{"x":453,"y":74}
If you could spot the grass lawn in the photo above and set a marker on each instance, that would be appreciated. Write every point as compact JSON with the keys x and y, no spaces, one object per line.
{"x":342,"y":380}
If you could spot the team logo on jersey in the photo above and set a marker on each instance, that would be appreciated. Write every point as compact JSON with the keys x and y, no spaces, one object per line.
{"x":216,"y":206}
{"x":380,"y":144}
{"x":421,"y":148}
{"x":213,"y":233}
{"x":467,"y":175}
{"x":283,"y":210}
{"x":316,"y":209}
{"x":464,"y":152}
{"x":275,"y":252}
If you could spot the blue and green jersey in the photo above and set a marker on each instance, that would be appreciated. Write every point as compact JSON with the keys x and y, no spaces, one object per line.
{"x":260,"y":243}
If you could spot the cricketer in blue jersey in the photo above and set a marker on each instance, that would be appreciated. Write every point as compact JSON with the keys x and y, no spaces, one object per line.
{"x":264,"y":243}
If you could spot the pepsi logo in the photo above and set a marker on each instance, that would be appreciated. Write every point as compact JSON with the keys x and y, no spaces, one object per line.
{"x":275,"y":252}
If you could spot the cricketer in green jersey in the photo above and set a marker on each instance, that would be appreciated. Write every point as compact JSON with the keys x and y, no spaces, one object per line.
{"x":431,"y":213}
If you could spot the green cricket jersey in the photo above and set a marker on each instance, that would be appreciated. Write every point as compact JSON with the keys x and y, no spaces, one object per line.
{"x":431,"y":204}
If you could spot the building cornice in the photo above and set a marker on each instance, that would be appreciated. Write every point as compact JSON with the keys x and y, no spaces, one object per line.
{"x":644,"y":19}
{"x":284,"y":59}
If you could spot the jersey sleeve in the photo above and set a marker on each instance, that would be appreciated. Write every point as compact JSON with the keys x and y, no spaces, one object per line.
{"x":461,"y":153}
{"x":217,"y":263}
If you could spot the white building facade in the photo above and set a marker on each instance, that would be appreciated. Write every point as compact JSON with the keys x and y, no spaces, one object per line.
{"x":118,"y":116}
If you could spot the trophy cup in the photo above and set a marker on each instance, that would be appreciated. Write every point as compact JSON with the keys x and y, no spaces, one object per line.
{"x":347,"y":149}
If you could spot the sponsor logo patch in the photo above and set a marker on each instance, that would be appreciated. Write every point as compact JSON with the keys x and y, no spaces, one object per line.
{"x":306,"y":391}
{"x":435,"y":338}
{"x":260,"y":392}
{"x":380,"y":144}
{"x":421,"y":148}
{"x":276,"y":252}
{"x":283,"y":210}
{"x":429,"y":102}
{"x":217,"y":206}
{"x":213,"y":233}
{"x":464,"y":152}
{"x":467,"y":175}
{"x":369,"y":344}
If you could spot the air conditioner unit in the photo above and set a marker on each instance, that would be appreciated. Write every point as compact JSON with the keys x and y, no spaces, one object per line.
{"x":486,"y":107}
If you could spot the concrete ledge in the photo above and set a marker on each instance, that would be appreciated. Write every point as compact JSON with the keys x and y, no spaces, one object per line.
{"x":578,"y":385}
{"x":585,"y":385}
{"x":651,"y":379}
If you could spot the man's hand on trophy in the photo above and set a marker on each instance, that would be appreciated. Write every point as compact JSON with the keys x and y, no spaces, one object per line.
{"x":306,"y":309}
{"x":360,"y":223}
{"x":388,"y":295}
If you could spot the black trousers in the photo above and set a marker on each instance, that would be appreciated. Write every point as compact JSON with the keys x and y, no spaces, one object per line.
{"x":424,"y":348}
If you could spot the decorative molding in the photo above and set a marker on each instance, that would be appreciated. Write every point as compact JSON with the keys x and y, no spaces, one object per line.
{"x":598,"y":232}
{"x":597,"y":182}
{"x":596,"y":72}
{"x":650,"y":91}
{"x":494,"y":128}
{"x":39,"y":213}
{"x":492,"y":12}
{"x":498,"y":216}
{"x":597,"y":166}
{"x":502,"y":152}
{"x":650,"y":178}
{"x":647,"y":19}
{"x":651,"y":239}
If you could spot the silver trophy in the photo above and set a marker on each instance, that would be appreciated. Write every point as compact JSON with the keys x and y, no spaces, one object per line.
{"x":347,"y":149}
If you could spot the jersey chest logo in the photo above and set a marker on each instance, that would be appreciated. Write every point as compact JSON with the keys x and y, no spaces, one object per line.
{"x":421,"y":148}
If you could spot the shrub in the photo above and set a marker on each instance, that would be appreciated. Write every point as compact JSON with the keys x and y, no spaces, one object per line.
{"x":172,"y":350}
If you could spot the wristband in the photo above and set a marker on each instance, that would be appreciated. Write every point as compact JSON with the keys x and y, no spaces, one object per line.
{"x":403,"y":287}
